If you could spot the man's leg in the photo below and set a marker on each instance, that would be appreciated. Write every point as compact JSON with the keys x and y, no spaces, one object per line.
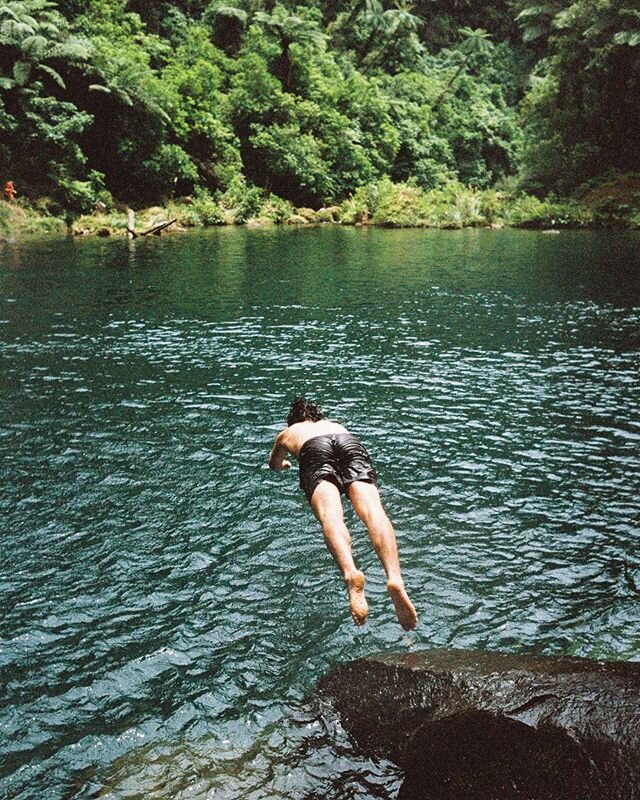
{"x":327,"y":506}
{"x":366,"y":501}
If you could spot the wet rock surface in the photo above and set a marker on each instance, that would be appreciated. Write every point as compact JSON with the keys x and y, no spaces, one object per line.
{"x":472,"y":725}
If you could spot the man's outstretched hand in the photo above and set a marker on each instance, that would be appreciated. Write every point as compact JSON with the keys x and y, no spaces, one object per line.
{"x":278,"y":459}
{"x":276,"y":465}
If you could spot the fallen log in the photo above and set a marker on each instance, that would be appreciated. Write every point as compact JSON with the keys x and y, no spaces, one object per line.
{"x":155,"y":230}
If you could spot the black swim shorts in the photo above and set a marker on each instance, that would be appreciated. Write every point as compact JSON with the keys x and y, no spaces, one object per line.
{"x":339,"y":458}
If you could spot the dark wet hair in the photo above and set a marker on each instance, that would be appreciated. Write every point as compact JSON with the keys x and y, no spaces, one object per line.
{"x":302,"y":410}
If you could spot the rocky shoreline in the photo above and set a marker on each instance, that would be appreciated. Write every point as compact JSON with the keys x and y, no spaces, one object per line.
{"x":472,"y":725}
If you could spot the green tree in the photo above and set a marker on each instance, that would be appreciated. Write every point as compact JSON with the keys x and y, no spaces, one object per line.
{"x":475,"y":43}
{"x":444,"y":18}
{"x":133,"y":111}
{"x":536,"y":21}
{"x":228,"y":23}
{"x":36,"y":38}
{"x":197,"y":75}
{"x":423,"y":154}
{"x":41,"y":127}
{"x":398,"y":46}
{"x":374,"y":20}
{"x":291,"y":28}
{"x":314,"y":146}
{"x":581,"y":116}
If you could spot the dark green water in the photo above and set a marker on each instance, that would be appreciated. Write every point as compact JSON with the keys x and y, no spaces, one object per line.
{"x":168,"y":603}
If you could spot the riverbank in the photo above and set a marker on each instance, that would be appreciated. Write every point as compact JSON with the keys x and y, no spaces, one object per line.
{"x":611,"y":204}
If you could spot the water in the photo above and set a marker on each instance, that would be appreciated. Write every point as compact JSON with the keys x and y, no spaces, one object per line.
{"x":168,"y":603}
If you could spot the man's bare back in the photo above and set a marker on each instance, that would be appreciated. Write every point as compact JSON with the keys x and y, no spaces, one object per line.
{"x":292,"y":438}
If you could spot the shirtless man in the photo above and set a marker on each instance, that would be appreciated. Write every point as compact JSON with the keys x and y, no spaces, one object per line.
{"x":333,"y":461}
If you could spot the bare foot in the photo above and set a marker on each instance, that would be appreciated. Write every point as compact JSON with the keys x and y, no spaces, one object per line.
{"x":357,"y":601}
{"x":404,"y":607}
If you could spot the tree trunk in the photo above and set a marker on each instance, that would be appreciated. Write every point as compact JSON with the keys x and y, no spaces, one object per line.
{"x":447,"y":87}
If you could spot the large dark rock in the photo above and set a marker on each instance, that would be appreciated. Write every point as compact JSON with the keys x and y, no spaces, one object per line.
{"x":467,"y":725}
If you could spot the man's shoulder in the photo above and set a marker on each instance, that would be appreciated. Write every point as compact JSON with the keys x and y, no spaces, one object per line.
{"x":293,"y":433}
{"x":298,"y":433}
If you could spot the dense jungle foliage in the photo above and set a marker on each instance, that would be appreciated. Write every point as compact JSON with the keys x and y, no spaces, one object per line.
{"x":249,"y":106}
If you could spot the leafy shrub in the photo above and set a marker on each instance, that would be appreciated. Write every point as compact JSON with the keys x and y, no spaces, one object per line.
{"x":407,"y":205}
{"x":207,"y":210}
{"x":241,"y":201}
{"x":569,"y":214}
{"x":399,"y":205}
{"x":275,"y":209}
{"x":363,"y":204}
{"x":187,"y":216}
{"x":356,"y":208}
{"x":530,"y":212}
{"x":170,"y":168}
{"x":611,"y":211}
{"x":4,"y":219}
{"x":462,"y":210}
{"x":78,"y":196}
{"x":492,"y":206}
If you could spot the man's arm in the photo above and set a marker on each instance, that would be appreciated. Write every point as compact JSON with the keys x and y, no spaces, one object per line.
{"x":278,"y":458}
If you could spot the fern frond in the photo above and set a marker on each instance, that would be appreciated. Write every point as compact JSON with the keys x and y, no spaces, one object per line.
{"x":34,"y":45}
{"x":21,"y":72}
{"x":53,"y":74}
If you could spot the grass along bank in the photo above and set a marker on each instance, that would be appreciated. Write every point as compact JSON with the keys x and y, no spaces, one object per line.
{"x":610,"y":203}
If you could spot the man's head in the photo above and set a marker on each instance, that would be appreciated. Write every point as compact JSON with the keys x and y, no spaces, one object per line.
{"x":303,"y":410}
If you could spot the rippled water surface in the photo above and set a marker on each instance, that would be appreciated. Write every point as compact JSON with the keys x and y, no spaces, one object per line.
{"x":168,"y":604}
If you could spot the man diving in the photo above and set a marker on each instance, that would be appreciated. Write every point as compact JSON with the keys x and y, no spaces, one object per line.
{"x":332,"y":461}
